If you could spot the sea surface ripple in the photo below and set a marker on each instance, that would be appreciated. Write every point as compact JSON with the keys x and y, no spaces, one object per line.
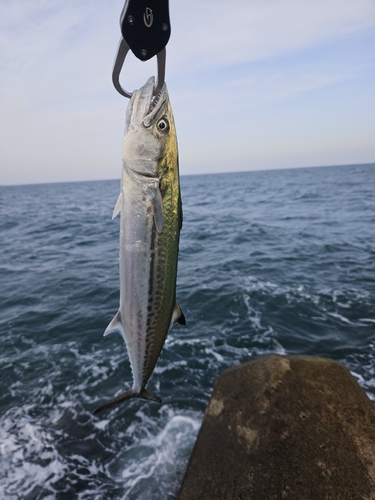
{"x":279,"y":261}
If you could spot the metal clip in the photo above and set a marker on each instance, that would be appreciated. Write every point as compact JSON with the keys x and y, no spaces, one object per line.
{"x":123,"y":49}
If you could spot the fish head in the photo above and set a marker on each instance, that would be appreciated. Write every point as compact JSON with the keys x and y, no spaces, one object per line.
{"x":149,"y":131}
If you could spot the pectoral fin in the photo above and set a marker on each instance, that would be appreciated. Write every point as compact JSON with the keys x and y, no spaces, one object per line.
{"x":157,"y":210}
{"x":117,"y":208}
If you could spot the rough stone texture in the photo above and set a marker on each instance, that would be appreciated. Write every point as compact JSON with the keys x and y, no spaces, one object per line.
{"x":284,"y":427}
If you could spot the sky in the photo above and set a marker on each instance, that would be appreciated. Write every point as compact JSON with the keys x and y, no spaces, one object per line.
{"x":254,"y":85}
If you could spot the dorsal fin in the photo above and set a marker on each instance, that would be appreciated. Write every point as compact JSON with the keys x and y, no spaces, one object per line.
{"x":177,"y":316}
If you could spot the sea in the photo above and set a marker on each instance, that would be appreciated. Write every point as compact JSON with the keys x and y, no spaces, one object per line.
{"x":278,"y":261}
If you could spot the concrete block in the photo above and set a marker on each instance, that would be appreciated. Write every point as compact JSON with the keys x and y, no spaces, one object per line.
{"x":284,"y":427}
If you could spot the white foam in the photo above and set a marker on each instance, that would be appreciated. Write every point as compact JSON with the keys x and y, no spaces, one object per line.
{"x":216,"y":355}
{"x":23,"y":443}
{"x":357,"y":376}
{"x":101,"y":424}
{"x":170,"y":366}
{"x":340,"y":317}
{"x":149,"y":468}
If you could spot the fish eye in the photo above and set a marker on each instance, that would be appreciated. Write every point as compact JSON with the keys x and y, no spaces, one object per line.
{"x":163,"y":125}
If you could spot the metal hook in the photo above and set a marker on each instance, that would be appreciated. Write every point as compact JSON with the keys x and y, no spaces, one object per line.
{"x":123,"y":49}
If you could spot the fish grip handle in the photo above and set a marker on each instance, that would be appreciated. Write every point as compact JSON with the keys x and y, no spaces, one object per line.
{"x":145,"y":29}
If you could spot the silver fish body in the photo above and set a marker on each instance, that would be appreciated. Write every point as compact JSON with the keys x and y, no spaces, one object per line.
{"x":151,"y":219}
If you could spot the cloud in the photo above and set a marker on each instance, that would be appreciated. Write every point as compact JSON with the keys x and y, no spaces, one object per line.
{"x":228,"y":63}
{"x":227,"y":33}
{"x":69,"y":43}
{"x":56,"y":51}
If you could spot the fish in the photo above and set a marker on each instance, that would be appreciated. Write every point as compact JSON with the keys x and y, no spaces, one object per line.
{"x":150,"y":211}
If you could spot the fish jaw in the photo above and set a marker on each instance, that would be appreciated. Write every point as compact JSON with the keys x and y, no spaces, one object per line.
{"x":139,"y":105}
{"x":144,"y":142}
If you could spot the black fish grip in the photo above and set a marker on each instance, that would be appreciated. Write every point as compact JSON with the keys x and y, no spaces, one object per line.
{"x":145,"y":29}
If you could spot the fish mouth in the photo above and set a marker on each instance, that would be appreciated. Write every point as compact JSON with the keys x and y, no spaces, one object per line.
{"x":143,"y":105}
{"x":156,"y":99}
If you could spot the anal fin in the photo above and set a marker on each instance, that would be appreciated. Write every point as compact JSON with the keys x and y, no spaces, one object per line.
{"x":114,"y":326}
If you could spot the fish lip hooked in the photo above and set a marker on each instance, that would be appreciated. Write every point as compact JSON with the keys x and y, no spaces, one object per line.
{"x":154,"y":103}
{"x":143,"y":105}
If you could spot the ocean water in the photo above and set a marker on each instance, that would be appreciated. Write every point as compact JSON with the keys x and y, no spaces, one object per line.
{"x":278,"y":261}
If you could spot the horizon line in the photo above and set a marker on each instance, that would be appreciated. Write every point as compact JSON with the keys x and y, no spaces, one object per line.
{"x":199,"y":174}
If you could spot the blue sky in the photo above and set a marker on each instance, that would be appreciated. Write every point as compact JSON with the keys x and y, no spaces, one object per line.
{"x":254,"y":84}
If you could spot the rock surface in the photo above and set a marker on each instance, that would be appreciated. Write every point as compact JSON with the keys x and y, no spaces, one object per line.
{"x":284,"y":427}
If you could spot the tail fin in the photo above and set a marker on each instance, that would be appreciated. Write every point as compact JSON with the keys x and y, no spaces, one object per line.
{"x":129,"y":394}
